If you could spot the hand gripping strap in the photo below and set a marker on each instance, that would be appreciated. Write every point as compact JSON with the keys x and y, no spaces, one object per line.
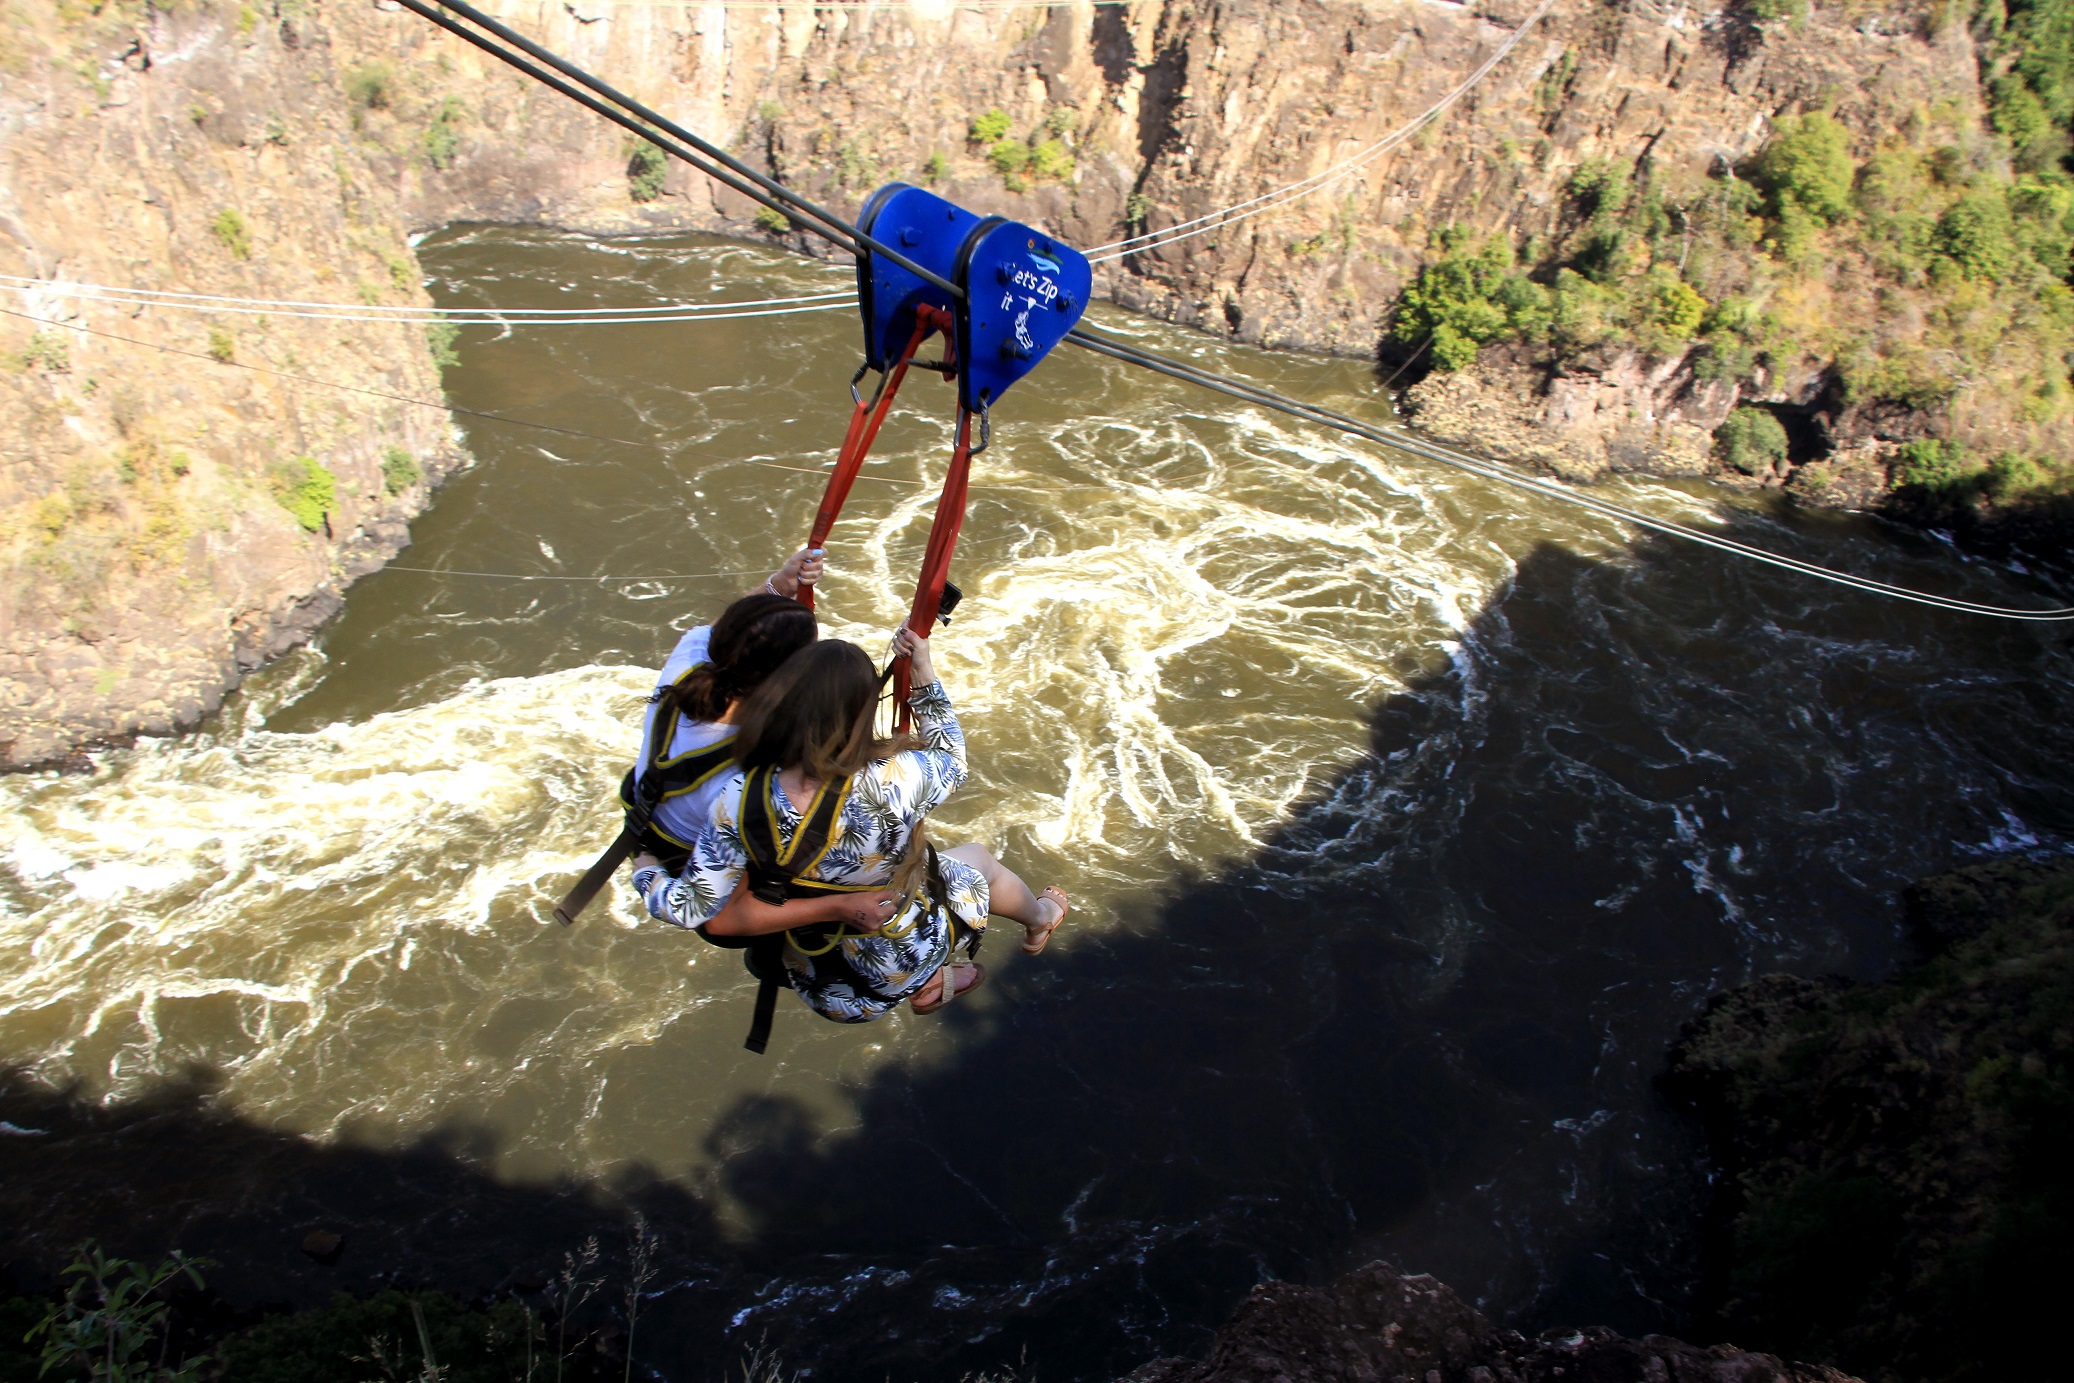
{"x":936,"y":561}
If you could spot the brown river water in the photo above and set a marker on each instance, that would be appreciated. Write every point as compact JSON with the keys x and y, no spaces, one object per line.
{"x":1406,"y":817}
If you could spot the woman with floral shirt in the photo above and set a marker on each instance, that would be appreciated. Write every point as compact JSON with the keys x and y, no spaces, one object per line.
{"x":805,"y":732}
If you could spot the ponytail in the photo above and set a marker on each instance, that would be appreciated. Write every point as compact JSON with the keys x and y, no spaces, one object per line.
{"x":752,"y":638}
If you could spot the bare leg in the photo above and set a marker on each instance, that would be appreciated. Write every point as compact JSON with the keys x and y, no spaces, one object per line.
{"x":1010,"y":897}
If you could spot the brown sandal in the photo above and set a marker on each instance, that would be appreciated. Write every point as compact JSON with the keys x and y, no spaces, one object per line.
{"x":947,"y":987}
{"x":1034,"y":938}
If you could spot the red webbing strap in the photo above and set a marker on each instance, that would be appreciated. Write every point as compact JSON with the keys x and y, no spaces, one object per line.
{"x":865,"y":421}
{"x":936,"y":558}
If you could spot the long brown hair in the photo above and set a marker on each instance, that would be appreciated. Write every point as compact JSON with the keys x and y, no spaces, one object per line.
{"x":751,"y":640}
{"x":815,"y":714}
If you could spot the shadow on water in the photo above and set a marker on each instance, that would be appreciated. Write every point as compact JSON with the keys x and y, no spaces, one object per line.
{"x":1421,"y":1021}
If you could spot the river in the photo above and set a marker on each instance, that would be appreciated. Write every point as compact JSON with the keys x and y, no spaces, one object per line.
{"x":1406,"y":818}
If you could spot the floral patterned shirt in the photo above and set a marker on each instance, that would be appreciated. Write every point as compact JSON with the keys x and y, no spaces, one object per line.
{"x":887,"y":800}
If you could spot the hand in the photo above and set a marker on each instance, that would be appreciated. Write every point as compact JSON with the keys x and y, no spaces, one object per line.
{"x":908,"y":644}
{"x":870,"y":911}
{"x":644,"y":860}
{"x":802,"y":568}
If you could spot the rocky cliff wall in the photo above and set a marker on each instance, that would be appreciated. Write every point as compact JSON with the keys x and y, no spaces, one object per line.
{"x":156,"y":509}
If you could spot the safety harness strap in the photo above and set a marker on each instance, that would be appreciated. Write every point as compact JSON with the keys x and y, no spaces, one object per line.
{"x":865,"y":420}
{"x":936,"y":561}
{"x":661,"y":777}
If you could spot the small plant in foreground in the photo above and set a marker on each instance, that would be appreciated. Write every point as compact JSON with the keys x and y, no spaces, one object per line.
{"x":113,"y":1311}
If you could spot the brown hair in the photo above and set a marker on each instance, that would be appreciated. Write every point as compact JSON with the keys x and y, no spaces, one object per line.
{"x":815,"y":714}
{"x":751,"y":640}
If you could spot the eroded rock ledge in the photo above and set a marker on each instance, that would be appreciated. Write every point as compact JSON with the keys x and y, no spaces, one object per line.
{"x":1379,"y":1325}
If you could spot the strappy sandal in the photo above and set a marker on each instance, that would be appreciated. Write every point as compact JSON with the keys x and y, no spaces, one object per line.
{"x":1034,"y":938}
{"x":949,"y":988}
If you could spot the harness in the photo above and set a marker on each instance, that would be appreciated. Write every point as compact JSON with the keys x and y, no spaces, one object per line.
{"x":774,"y":873}
{"x":660,"y":779}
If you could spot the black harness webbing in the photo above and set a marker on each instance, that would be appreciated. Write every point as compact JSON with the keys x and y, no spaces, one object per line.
{"x":660,"y":779}
{"x":774,"y":871}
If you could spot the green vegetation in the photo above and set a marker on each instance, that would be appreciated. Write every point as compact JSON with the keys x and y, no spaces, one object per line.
{"x":1051,"y":161}
{"x":442,"y":138}
{"x":222,"y":349}
{"x":439,"y":339}
{"x":399,"y":470}
{"x":855,"y":166}
{"x":307,"y":490}
{"x":647,"y":169}
{"x":1752,"y":441}
{"x":1468,"y":298}
{"x":1895,"y":1198}
{"x":773,"y":220}
{"x":988,"y":128}
{"x":372,"y":87}
{"x":936,"y":169}
{"x":392,"y":1335}
{"x":230,"y":229}
{"x":49,"y":352}
{"x":1926,"y":268}
{"x":114,"y":1310}
{"x":1009,"y":156}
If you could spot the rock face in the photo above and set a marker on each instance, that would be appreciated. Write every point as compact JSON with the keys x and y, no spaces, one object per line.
{"x":1581,"y":420}
{"x":285,"y":151}
{"x":1377,"y":1325}
{"x":1893,"y":1193}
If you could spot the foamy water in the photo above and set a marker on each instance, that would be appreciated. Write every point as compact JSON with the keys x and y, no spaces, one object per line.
{"x":1180,"y":620}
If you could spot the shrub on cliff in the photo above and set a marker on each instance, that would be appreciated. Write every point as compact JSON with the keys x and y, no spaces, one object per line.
{"x":307,"y":490}
{"x":647,"y":169}
{"x":1806,"y":168}
{"x":1752,"y":441}
{"x":1895,"y":1198}
{"x":399,"y":470}
{"x":1466,"y":299}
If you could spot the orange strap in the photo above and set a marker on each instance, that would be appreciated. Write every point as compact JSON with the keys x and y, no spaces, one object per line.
{"x":865,"y":421}
{"x":936,"y":559}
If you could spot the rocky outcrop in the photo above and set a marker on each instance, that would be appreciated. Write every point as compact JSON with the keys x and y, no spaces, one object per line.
{"x":1378,"y":1325}
{"x":1582,"y":419}
{"x":1893,"y":1158}
{"x":286,"y":150}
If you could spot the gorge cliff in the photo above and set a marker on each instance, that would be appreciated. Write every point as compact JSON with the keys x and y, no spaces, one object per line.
{"x":186,"y":493}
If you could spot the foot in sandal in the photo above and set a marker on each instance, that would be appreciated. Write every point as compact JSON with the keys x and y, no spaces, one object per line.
{"x":956,"y":978}
{"x":1036,"y":934}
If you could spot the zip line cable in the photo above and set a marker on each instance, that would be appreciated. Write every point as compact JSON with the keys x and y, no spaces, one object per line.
{"x":434,"y":318}
{"x":450,"y":408}
{"x":1303,"y":187}
{"x":67,"y":288}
